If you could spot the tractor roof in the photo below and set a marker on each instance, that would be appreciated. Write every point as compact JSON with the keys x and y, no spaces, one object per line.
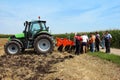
{"x":38,"y":21}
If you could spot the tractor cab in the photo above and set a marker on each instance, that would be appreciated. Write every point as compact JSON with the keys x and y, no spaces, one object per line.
{"x":34,"y":27}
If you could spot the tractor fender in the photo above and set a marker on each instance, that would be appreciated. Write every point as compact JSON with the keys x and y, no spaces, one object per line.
{"x":42,"y":33}
{"x":17,"y":40}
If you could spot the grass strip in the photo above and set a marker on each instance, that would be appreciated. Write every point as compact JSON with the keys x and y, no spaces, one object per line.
{"x":109,"y":57}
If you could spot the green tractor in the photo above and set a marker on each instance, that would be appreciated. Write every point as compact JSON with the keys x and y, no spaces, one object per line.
{"x":36,"y":35}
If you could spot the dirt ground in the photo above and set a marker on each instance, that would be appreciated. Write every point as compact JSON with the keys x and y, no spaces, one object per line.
{"x":56,"y":66}
{"x":113,"y":51}
{"x":2,"y":42}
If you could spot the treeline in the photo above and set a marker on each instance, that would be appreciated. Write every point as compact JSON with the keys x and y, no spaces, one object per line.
{"x":115,"y":36}
{"x":4,"y":35}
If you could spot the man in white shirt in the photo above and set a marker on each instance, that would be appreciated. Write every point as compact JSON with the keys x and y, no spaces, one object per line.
{"x":84,"y":43}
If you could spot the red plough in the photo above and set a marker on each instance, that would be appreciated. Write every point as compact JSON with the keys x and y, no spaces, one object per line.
{"x":64,"y":43}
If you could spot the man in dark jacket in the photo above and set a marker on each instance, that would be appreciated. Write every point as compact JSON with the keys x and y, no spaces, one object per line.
{"x":97,"y":42}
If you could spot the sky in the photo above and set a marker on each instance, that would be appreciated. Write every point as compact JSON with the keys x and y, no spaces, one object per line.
{"x":62,"y":16}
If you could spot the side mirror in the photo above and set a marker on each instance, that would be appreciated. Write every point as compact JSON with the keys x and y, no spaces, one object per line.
{"x":26,"y":23}
{"x":24,"y":31}
{"x":47,"y":28}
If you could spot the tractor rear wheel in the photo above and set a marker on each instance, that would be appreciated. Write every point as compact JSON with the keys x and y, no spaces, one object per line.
{"x":43,"y":44}
{"x":12,"y":47}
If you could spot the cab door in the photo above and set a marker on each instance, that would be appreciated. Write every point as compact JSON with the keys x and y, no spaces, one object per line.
{"x":34,"y":29}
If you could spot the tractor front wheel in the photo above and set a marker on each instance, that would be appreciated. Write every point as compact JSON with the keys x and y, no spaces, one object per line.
{"x":12,"y":47}
{"x":43,"y":44}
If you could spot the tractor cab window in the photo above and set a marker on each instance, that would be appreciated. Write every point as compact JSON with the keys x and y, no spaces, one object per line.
{"x":43,"y":26}
{"x":34,"y":28}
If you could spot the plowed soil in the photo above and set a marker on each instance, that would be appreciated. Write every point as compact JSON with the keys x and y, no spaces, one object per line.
{"x":56,"y":66}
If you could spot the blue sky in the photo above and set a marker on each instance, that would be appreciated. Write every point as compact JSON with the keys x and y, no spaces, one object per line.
{"x":61,"y":15}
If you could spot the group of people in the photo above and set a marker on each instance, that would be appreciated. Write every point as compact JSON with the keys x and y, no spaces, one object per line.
{"x":83,"y":43}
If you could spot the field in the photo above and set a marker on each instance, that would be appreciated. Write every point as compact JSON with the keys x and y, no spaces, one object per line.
{"x":57,"y":66}
{"x":2,"y":41}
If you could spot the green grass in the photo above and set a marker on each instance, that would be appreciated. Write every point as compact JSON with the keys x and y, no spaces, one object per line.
{"x":109,"y":57}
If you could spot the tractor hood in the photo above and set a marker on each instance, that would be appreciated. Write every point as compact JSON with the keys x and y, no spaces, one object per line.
{"x":20,"y":35}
